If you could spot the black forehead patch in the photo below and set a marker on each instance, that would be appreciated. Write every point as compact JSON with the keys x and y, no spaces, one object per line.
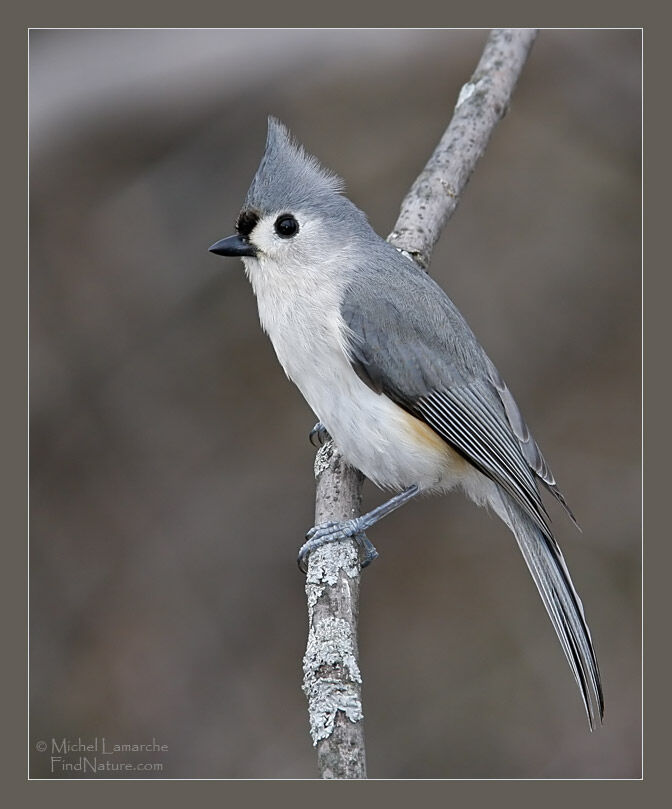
{"x":246,"y":222}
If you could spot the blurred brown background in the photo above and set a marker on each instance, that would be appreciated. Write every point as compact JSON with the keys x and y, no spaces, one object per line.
{"x":171,"y":474}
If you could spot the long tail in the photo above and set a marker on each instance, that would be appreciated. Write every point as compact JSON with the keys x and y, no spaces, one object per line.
{"x":549,"y":571}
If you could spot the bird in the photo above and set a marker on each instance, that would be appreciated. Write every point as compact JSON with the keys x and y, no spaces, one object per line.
{"x":395,"y":375}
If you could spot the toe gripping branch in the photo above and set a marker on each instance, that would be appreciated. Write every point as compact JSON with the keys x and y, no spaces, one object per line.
{"x":328,"y":532}
{"x":319,"y":435}
{"x":352,"y":529}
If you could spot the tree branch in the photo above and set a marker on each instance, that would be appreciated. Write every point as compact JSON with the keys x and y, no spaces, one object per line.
{"x":332,"y":680}
{"x":483,"y":100}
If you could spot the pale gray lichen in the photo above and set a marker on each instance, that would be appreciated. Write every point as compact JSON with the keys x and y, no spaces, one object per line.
{"x":313,"y":594}
{"x":322,"y":458}
{"x":331,"y":645}
{"x":326,"y":562}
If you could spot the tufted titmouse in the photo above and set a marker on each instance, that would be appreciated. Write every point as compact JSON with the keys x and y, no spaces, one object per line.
{"x":395,"y":374}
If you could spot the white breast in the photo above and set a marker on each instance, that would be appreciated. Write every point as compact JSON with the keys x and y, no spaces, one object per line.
{"x":301,"y":315}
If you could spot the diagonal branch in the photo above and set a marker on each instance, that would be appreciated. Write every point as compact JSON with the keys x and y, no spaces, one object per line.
{"x":332,"y":680}
{"x":483,"y":100}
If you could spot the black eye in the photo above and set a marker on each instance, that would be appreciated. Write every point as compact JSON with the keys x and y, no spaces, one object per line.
{"x":286,"y":226}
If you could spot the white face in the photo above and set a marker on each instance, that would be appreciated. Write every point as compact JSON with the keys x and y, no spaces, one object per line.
{"x":291,"y":240}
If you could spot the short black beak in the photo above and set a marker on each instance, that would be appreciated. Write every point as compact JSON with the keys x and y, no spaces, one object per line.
{"x":235,"y":245}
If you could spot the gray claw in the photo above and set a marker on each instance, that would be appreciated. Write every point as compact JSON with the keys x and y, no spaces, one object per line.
{"x":370,"y":552}
{"x":319,"y":434}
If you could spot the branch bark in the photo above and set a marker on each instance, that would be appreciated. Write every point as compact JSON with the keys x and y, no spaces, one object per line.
{"x":332,"y":680}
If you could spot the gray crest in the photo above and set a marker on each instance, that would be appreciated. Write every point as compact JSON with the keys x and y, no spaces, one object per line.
{"x":290,"y":178}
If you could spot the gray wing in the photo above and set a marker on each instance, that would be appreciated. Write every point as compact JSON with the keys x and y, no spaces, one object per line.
{"x":426,"y":359}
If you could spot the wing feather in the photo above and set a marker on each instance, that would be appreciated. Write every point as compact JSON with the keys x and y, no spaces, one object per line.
{"x":469,"y":426}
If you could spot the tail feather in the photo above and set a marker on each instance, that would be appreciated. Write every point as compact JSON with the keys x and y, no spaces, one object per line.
{"x":549,"y":571}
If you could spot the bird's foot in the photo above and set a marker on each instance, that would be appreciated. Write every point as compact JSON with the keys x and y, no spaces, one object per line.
{"x":319,"y":435}
{"x":327,"y":532}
